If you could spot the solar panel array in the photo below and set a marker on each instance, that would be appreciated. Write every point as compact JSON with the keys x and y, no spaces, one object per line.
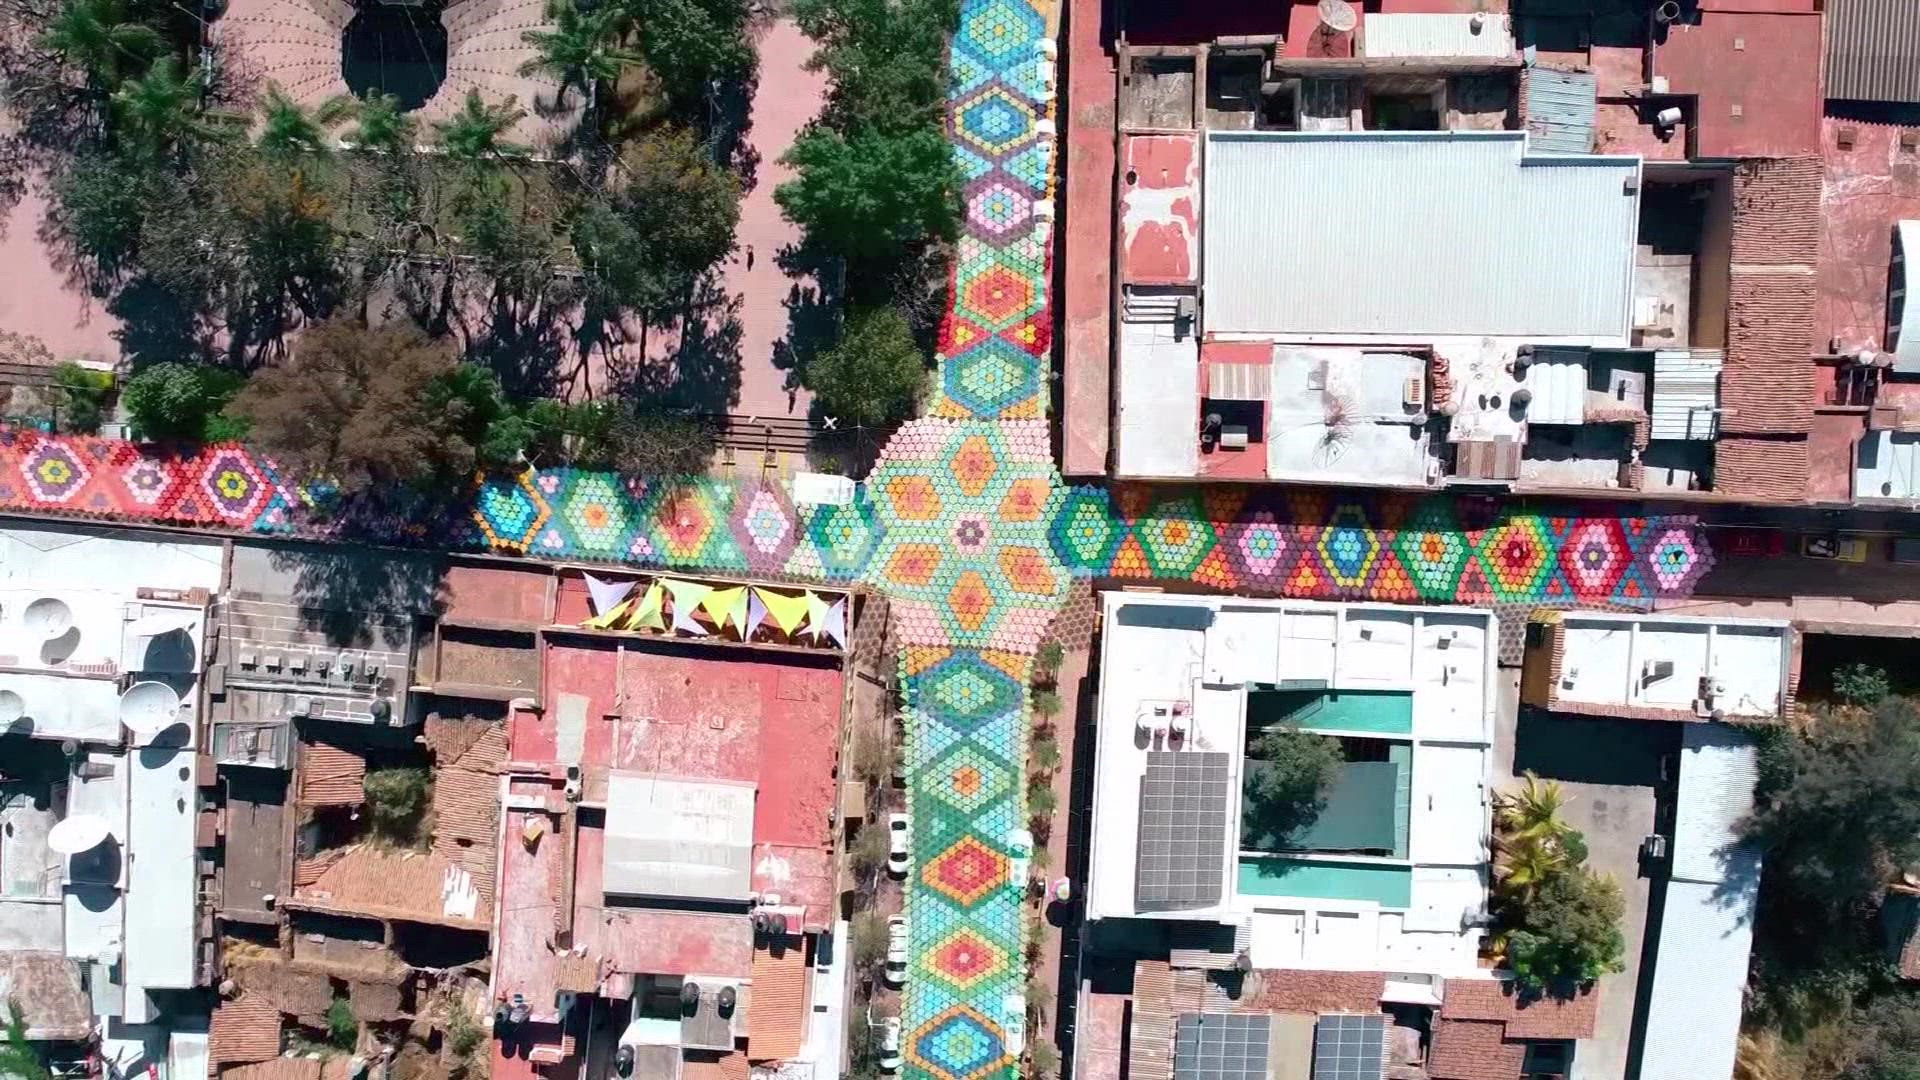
{"x":1350,"y":1046}
{"x":1183,"y":831}
{"x":1221,"y":1046}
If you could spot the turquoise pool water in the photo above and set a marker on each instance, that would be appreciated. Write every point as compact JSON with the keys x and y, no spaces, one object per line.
{"x":1388,"y":886}
{"x":1380,"y":712}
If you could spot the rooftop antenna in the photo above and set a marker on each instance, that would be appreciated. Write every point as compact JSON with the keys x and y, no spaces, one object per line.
{"x":1336,"y":17}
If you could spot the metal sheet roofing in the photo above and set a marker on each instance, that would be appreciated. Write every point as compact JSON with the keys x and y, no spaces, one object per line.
{"x":1558,"y":381}
{"x":1699,"y":975}
{"x":678,"y":838}
{"x":1396,"y":234}
{"x":1904,"y":343}
{"x":1425,"y":34}
{"x":1686,"y":393}
{"x":1560,"y":107}
{"x":1873,"y":50}
{"x":1717,"y":773}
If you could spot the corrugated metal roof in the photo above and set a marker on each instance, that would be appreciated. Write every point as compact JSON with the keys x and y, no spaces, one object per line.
{"x":1717,"y":773}
{"x":1905,"y":346}
{"x":1240,"y":382}
{"x":1686,"y":393}
{"x":1437,"y":35}
{"x":1699,"y":975}
{"x":1873,"y":50}
{"x":676,"y":837}
{"x":1557,"y":379}
{"x":1560,"y":106}
{"x":1416,"y":233}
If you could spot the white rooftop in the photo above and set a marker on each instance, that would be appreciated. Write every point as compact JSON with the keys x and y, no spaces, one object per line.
{"x":1405,"y":236}
{"x":1175,"y":675}
{"x":1665,"y":662}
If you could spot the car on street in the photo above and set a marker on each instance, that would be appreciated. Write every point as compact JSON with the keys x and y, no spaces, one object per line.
{"x":890,"y":1044}
{"x":1019,"y":857}
{"x":896,"y":950}
{"x":898,"y":844}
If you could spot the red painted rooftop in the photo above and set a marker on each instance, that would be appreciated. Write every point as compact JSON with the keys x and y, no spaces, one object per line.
{"x":1760,"y":59}
{"x":1088,"y":235}
{"x":1160,"y":210}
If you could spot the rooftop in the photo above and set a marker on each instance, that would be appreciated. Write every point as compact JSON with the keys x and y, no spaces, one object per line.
{"x":1187,"y":682}
{"x":675,"y":838}
{"x":1356,"y":248}
{"x":1669,"y":667}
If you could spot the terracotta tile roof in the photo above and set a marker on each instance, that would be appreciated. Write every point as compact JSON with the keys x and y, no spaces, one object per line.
{"x":1766,"y":385}
{"x":280,"y":1068}
{"x":376,"y":1003}
{"x":1755,"y":468}
{"x":1286,"y":990}
{"x":394,"y":884}
{"x":277,"y":984}
{"x":448,"y":737}
{"x":777,"y":1010}
{"x":705,"y":1065}
{"x":466,"y":801}
{"x":47,"y":987}
{"x":1525,"y":1018}
{"x":1776,"y":211}
{"x":244,"y":1029}
{"x":1473,"y":1050}
{"x":331,"y":775}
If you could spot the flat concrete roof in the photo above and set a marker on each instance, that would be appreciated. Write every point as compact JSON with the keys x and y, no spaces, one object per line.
{"x":1662,"y":662}
{"x":1188,"y":662}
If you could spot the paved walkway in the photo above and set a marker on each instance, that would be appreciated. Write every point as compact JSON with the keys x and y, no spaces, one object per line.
{"x":787,"y":97}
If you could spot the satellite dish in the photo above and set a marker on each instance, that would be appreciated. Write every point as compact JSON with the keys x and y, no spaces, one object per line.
{"x":81,"y":832}
{"x":12,"y":707}
{"x":728,"y":998}
{"x":690,"y":994}
{"x":148,"y":708}
{"x":48,"y":617}
{"x":1337,"y":17}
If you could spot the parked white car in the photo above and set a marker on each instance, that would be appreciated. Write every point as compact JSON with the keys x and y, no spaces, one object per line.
{"x":890,"y":1044}
{"x":899,"y":844}
{"x":896,"y":950}
{"x":1019,"y":857}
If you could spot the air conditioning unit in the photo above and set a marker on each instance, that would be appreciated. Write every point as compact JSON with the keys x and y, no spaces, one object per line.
{"x":1233,"y":437}
{"x":1187,"y":308}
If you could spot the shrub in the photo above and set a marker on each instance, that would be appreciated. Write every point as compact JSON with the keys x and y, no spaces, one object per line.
{"x":343,"y":1028}
{"x":1569,"y":932}
{"x":1041,"y":801}
{"x":1861,"y":684}
{"x":19,"y":1057}
{"x":869,"y":851}
{"x":1046,"y":663}
{"x":1046,"y":703}
{"x":82,"y":396}
{"x":869,"y":933}
{"x":1046,"y":754}
{"x":1046,"y":1061}
{"x":184,"y":401}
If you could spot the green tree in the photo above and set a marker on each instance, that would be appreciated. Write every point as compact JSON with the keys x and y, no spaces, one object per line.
{"x":1532,"y":812}
{"x":642,"y":246}
{"x":1046,"y":1061}
{"x":184,"y":401}
{"x":101,"y":39}
{"x":397,"y":802}
{"x":689,"y":44}
{"x":82,"y":396}
{"x":886,"y":58}
{"x":1838,"y":808}
{"x":472,"y":406}
{"x":868,"y":852}
{"x":477,"y":133}
{"x":1569,"y":933}
{"x":1288,"y":777}
{"x":160,"y":111}
{"x":869,"y":944}
{"x":19,"y":1058}
{"x":872,"y":194}
{"x":874,"y":375}
{"x":580,"y":48}
{"x":103,"y":199}
{"x":357,"y":406}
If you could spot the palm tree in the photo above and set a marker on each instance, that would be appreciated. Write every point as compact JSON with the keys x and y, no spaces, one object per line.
{"x":381,"y":125}
{"x":161,"y":109}
{"x":1523,"y":867}
{"x":474,"y":133}
{"x":582,"y":47}
{"x":288,"y":128}
{"x":1533,"y":812}
{"x":97,"y":37}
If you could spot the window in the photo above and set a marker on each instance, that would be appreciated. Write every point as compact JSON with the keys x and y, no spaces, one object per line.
{"x":1403,"y":112}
